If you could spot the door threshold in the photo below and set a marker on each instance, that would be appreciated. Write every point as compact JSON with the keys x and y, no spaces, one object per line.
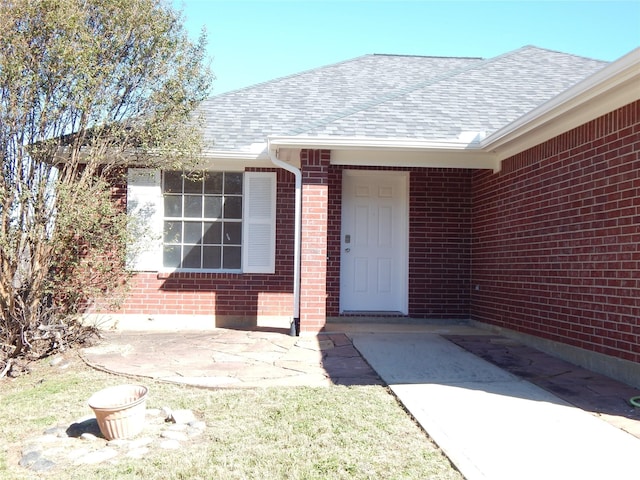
{"x":388,"y":317}
{"x":373,"y":313}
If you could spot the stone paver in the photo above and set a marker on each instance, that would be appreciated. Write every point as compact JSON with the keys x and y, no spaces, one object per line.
{"x":226,"y":358}
{"x":585,"y":389}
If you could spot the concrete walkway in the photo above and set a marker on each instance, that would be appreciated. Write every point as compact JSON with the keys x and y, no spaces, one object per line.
{"x":492,"y":424}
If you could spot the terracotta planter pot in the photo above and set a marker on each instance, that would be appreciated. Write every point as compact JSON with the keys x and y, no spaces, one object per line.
{"x":120,"y":410}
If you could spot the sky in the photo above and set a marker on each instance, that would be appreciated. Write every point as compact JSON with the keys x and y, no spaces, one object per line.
{"x":251,"y":42}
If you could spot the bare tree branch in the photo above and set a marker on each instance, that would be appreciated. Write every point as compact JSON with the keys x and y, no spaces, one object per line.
{"x":83,"y":83}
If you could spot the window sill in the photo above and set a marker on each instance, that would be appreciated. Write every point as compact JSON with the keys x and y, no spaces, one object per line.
{"x":165,"y":274}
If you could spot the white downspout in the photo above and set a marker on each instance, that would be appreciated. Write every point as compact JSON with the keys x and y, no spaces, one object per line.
{"x":294,"y":328}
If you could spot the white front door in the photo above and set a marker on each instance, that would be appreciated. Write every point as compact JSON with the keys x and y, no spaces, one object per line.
{"x":373,"y":274}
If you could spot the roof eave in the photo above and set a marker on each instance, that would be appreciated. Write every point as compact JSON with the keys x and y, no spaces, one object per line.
{"x":610,"y":88}
{"x":256,"y":157}
{"x":406,"y":152}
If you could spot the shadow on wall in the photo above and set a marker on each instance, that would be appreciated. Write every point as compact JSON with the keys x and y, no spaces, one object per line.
{"x":235,"y":301}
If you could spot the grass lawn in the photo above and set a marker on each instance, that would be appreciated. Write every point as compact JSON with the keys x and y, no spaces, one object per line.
{"x":275,"y":433}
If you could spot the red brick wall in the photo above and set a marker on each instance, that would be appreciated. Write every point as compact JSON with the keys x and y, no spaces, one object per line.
{"x":556,"y":238}
{"x":225,"y":294}
{"x":334,"y":227}
{"x":439,"y":243}
{"x":315,"y":197}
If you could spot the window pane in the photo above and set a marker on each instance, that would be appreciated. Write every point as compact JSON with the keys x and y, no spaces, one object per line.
{"x":211,"y":258}
{"x":233,"y":183}
{"x":232,"y":233}
{"x":172,"y":232}
{"x":192,"y":232}
{"x":193,"y":183}
{"x":231,"y":257}
{"x":193,"y":206}
{"x":191,"y":256}
{"x":233,"y":207}
{"x":171,"y":256}
{"x":213,"y":207}
{"x":172,"y":182}
{"x":211,"y":202}
{"x":213,"y":232}
{"x":172,"y":205}
{"x":213,"y":182}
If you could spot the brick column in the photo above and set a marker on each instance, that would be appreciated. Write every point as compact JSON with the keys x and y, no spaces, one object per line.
{"x":313,"y":268}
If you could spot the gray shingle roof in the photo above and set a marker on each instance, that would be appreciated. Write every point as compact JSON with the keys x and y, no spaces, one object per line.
{"x":391,"y":96}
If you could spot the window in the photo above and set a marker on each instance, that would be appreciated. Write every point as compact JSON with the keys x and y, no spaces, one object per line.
{"x":202,"y":220}
{"x":212,"y":221}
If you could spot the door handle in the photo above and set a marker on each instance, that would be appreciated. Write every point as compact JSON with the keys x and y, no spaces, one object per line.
{"x":347,"y":250}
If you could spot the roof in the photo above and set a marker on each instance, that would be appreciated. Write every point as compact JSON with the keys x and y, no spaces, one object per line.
{"x":394,"y":96}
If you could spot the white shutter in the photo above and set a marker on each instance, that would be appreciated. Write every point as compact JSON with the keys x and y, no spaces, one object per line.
{"x":259,"y":223}
{"x":145,"y":209}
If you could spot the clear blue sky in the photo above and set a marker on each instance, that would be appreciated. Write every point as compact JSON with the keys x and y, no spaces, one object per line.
{"x":255,"y":41}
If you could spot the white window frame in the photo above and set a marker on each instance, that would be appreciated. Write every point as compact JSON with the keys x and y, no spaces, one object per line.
{"x":145,"y":202}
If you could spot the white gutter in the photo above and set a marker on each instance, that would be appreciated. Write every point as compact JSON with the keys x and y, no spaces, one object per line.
{"x":294,"y":327}
{"x":467,"y":141}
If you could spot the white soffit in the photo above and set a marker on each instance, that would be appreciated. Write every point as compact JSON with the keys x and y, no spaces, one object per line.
{"x":254,"y":156}
{"x":475,"y":158}
{"x":403,"y":152}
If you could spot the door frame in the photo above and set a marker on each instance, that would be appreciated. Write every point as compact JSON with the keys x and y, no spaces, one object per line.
{"x":404,"y":261}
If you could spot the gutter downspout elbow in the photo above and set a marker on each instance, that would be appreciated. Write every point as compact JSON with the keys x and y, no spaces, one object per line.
{"x":294,"y":328}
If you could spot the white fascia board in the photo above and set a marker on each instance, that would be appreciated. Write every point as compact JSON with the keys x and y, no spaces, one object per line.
{"x":367,"y":143}
{"x":397,"y":152}
{"x":612,"y":87}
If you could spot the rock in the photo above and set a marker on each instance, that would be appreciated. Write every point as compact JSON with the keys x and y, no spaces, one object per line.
{"x":98,"y":456}
{"x":168,"y":434}
{"x":55,"y":360}
{"x":170,"y":445}
{"x":30,"y":448}
{"x":166,"y":412}
{"x":77,"y":453}
{"x":53,"y":452}
{"x":56,"y":431}
{"x":140,"y":442}
{"x":36,"y":462}
{"x":42,"y":465}
{"x":118,"y":443}
{"x":81,"y":443}
{"x":198,"y":424}
{"x":29,"y":458}
{"x":137,"y":452}
{"x":182,"y":416}
{"x":178,"y":427}
{"x":46,"y":439}
{"x":194,"y":432}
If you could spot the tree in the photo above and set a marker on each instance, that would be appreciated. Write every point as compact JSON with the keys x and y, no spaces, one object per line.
{"x":87,"y":87}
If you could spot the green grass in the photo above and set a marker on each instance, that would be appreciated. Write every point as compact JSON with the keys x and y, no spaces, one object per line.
{"x":276,"y":433}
